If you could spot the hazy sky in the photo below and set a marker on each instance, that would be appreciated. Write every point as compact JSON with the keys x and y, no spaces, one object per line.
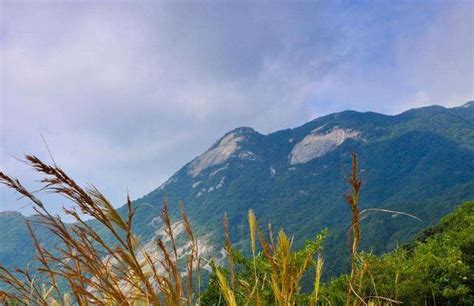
{"x":126,"y":93}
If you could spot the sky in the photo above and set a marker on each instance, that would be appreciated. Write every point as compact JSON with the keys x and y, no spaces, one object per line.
{"x":127,"y":92}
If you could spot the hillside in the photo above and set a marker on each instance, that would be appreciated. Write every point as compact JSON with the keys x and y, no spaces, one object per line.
{"x":420,"y":162}
{"x":16,"y":244}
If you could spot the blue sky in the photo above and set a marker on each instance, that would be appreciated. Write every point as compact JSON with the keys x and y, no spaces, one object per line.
{"x":125,"y":93}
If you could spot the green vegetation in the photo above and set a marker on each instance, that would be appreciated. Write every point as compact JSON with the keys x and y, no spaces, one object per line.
{"x":15,"y":239}
{"x":420,"y":162}
{"x":436,"y":269}
{"x":271,"y":277}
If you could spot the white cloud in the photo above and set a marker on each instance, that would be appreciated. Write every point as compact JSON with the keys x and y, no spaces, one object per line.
{"x":126,"y":93}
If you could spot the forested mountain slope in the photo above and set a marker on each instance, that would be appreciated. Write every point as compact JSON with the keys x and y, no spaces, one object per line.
{"x":419,"y":162}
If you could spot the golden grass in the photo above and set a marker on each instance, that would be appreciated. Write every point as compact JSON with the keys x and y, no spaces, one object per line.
{"x":353,"y":201}
{"x":285,"y":273}
{"x":94,"y":271}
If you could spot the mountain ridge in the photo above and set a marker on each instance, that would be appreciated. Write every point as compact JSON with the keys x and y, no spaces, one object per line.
{"x":404,"y":131}
{"x":420,"y":161}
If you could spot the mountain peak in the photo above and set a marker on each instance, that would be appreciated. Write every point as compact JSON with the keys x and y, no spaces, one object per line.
{"x":223,"y":149}
{"x":220,"y":152}
{"x":468,"y":104}
{"x":10,"y":213}
{"x":243,"y":130}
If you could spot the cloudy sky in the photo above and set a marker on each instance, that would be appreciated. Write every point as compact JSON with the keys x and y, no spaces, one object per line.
{"x":125,"y":93}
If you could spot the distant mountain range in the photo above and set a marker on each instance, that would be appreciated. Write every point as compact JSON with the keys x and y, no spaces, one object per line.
{"x":419,"y":162}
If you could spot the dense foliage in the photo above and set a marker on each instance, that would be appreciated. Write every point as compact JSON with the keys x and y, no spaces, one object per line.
{"x":420,"y":162}
{"x":438,"y":269}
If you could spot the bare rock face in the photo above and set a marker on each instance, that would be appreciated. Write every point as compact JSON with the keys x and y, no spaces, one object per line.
{"x":184,"y":248}
{"x":217,"y":155}
{"x":317,"y":144}
{"x":229,"y":145}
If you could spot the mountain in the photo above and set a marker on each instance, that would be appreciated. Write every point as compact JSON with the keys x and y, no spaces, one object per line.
{"x":16,"y":244}
{"x":420,"y":162}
